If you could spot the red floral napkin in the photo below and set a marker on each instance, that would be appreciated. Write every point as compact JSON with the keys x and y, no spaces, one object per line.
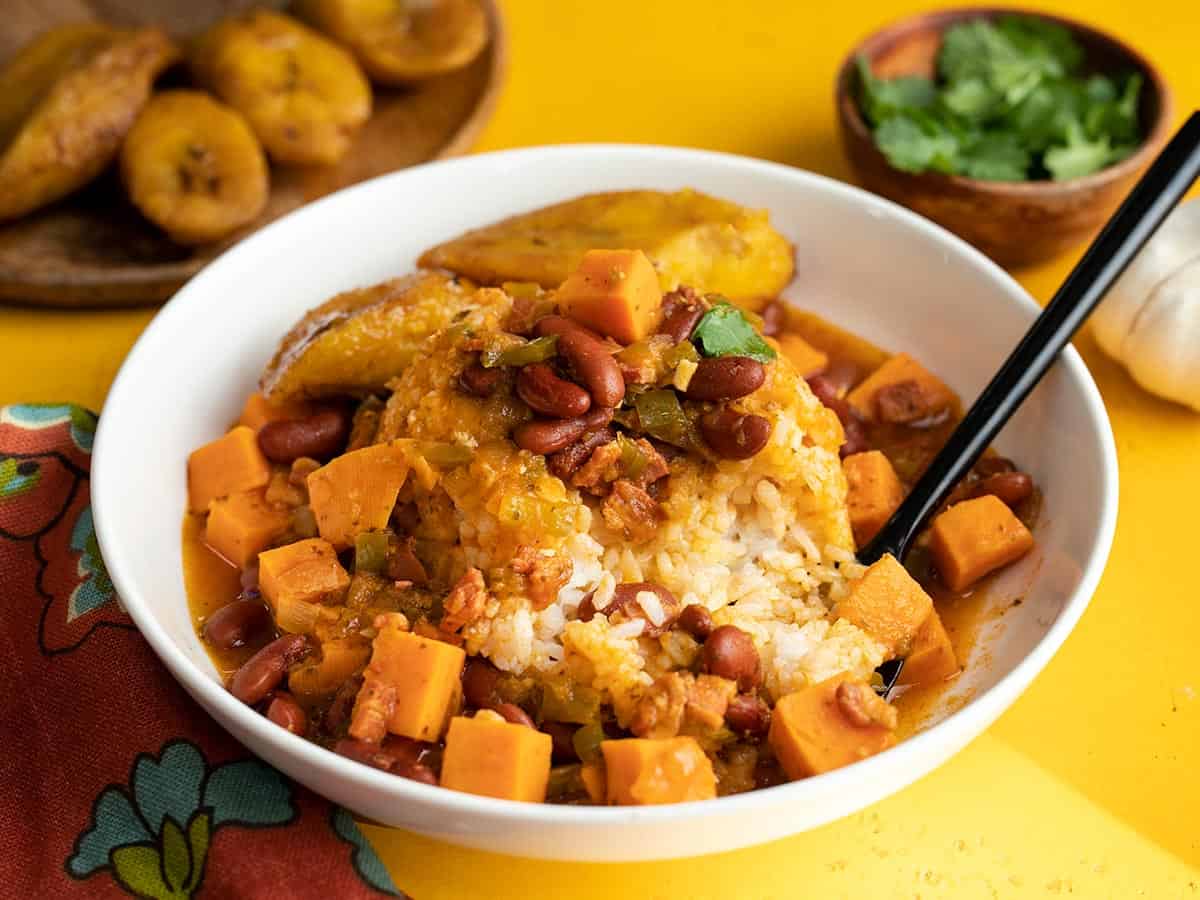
{"x":113,"y":781}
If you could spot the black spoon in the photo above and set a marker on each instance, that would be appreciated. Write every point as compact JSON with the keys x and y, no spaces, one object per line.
{"x":1152,"y":198}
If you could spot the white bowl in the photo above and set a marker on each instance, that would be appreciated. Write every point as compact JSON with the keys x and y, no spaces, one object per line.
{"x":863,"y":262}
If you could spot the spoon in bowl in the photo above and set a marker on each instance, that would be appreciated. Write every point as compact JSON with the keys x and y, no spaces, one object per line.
{"x":1134,"y":223}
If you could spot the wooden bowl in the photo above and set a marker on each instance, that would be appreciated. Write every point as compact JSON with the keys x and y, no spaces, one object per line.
{"x":1014,"y":222}
{"x":93,"y":249}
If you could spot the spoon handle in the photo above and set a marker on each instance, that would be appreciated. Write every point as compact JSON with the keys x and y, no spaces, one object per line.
{"x":1152,"y":198}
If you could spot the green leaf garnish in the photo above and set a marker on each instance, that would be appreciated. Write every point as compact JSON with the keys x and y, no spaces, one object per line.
{"x":725,"y":331}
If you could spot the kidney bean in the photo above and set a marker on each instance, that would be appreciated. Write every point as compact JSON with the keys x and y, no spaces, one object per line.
{"x":696,"y":621}
{"x":403,"y":564}
{"x":730,"y":653}
{"x":1011,"y":487}
{"x":993,"y":465}
{"x":681,"y":321}
{"x":264,"y":671}
{"x":415,"y":771}
{"x":624,"y":600}
{"x":285,"y":712}
{"x":855,"y":437}
{"x":480,"y":382}
{"x":562,"y":736}
{"x":774,"y":317}
{"x":543,"y":391}
{"x":852,"y":427}
{"x":594,"y":366}
{"x":320,"y":436}
{"x":560,"y":325}
{"x":514,"y":714}
{"x":546,"y":436}
{"x":236,"y":623}
{"x":734,"y":435}
{"x":566,"y":462}
{"x":726,"y":378}
{"x":747,"y":714}
{"x":479,"y":679}
{"x":409,"y":759}
{"x":366,"y":753}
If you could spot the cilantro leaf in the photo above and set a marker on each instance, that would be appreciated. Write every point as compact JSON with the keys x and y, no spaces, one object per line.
{"x":996,"y":156}
{"x":882,"y":98}
{"x":725,"y":331}
{"x":1079,"y":156}
{"x":971,"y":98}
{"x":917,"y":145}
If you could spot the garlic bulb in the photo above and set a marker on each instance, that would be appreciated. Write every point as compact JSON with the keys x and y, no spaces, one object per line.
{"x":1150,"y":320}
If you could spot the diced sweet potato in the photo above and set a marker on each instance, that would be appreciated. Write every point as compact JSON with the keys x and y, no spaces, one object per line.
{"x":425,"y":675}
{"x":615,"y":292}
{"x":888,"y":604}
{"x":496,"y":759}
{"x":297,"y":578}
{"x":813,"y":731}
{"x":318,"y":679}
{"x":874,"y":493}
{"x":591,"y":773}
{"x":230,"y":464}
{"x":242,"y":525}
{"x":356,"y":491}
{"x":924,"y":393}
{"x":807,"y":359}
{"x":932,"y":657}
{"x":258,"y":411}
{"x":976,"y":537}
{"x":643,"y":771}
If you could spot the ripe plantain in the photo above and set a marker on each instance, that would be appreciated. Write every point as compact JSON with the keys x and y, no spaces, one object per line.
{"x":304,"y":96}
{"x":194,"y":167}
{"x":77,"y":127}
{"x":402,"y":41}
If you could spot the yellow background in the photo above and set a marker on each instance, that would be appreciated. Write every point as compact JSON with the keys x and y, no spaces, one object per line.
{"x":1088,"y":786}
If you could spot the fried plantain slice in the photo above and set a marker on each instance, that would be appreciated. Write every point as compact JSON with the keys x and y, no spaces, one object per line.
{"x":358,"y":340}
{"x":402,"y":41}
{"x":694,"y":239}
{"x":304,"y":96}
{"x":193,"y":167}
{"x":77,"y":127}
{"x":33,"y":71}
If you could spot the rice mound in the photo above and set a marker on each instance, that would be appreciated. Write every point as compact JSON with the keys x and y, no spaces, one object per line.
{"x":763,"y":544}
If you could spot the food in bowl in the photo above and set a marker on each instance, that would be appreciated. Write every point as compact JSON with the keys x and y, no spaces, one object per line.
{"x":591,"y":544}
{"x":1011,"y":102}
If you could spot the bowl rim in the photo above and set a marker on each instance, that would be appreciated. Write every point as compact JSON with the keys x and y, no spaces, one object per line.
{"x":120,"y":551}
{"x":853,"y":121}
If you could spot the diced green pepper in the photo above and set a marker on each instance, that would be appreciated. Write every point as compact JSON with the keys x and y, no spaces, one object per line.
{"x":566,"y":783}
{"x":370,"y":552}
{"x":587,"y":741}
{"x":563,"y":702}
{"x":537,"y":350}
{"x":660,"y":415}
{"x":633,"y":458}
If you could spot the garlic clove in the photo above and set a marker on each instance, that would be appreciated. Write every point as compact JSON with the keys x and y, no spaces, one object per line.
{"x":1162,"y":347}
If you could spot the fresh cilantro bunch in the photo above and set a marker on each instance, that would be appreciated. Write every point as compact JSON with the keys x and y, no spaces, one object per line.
{"x":1010,"y":104}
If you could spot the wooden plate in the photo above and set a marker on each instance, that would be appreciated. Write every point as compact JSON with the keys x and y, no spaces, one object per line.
{"x":93,"y":249}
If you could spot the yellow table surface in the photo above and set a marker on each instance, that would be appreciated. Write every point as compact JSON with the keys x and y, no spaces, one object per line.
{"x":1089,"y":784}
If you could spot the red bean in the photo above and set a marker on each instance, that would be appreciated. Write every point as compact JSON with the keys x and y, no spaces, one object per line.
{"x":546,"y":436}
{"x":562,"y":736}
{"x":514,"y":714}
{"x":1011,"y":487}
{"x":285,"y":712}
{"x":774,"y":317}
{"x":735,"y":435}
{"x":852,"y":427}
{"x":480,"y":382}
{"x":697,"y":621}
{"x":320,"y":436}
{"x":264,"y":671}
{"x":409,"y":759}
{"x":561,"y":325}
{"x":543,"y":391}
{"x":567,"y":462}
{"x":479,"y":681}
{"x":747,"y":714}
{"x":726,"y":378}
{"x":236,"y":624}
{"x":365,"y":752}
{"x":594,"y":366}
{"x":994,"y":465}
{"x":680,"y":322}
{"x":624,"y":600}
{"x":730,"y":653}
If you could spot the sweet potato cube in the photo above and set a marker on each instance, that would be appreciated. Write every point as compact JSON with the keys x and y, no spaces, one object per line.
{"x":976,"y":537}
{"x":888,"y":604}
{"x":925,"y":393}
{"x":319,"y":679}
{"x":615,"y":292}
{"x":230,"y":464}
{"x":644,"y":771}
{"x":874,"y":493}
{"x":242,"y":525}
{"x":297,"y":578}
{"x":932,"y":657}
{"x":425,"y":675}
{"x":807,"y":359}
{"x":258,"y":411}
{"x":811,"y":732}
{"x":496,"y":759}
{"x":591,"y":773}
{"x":356,"y":491}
